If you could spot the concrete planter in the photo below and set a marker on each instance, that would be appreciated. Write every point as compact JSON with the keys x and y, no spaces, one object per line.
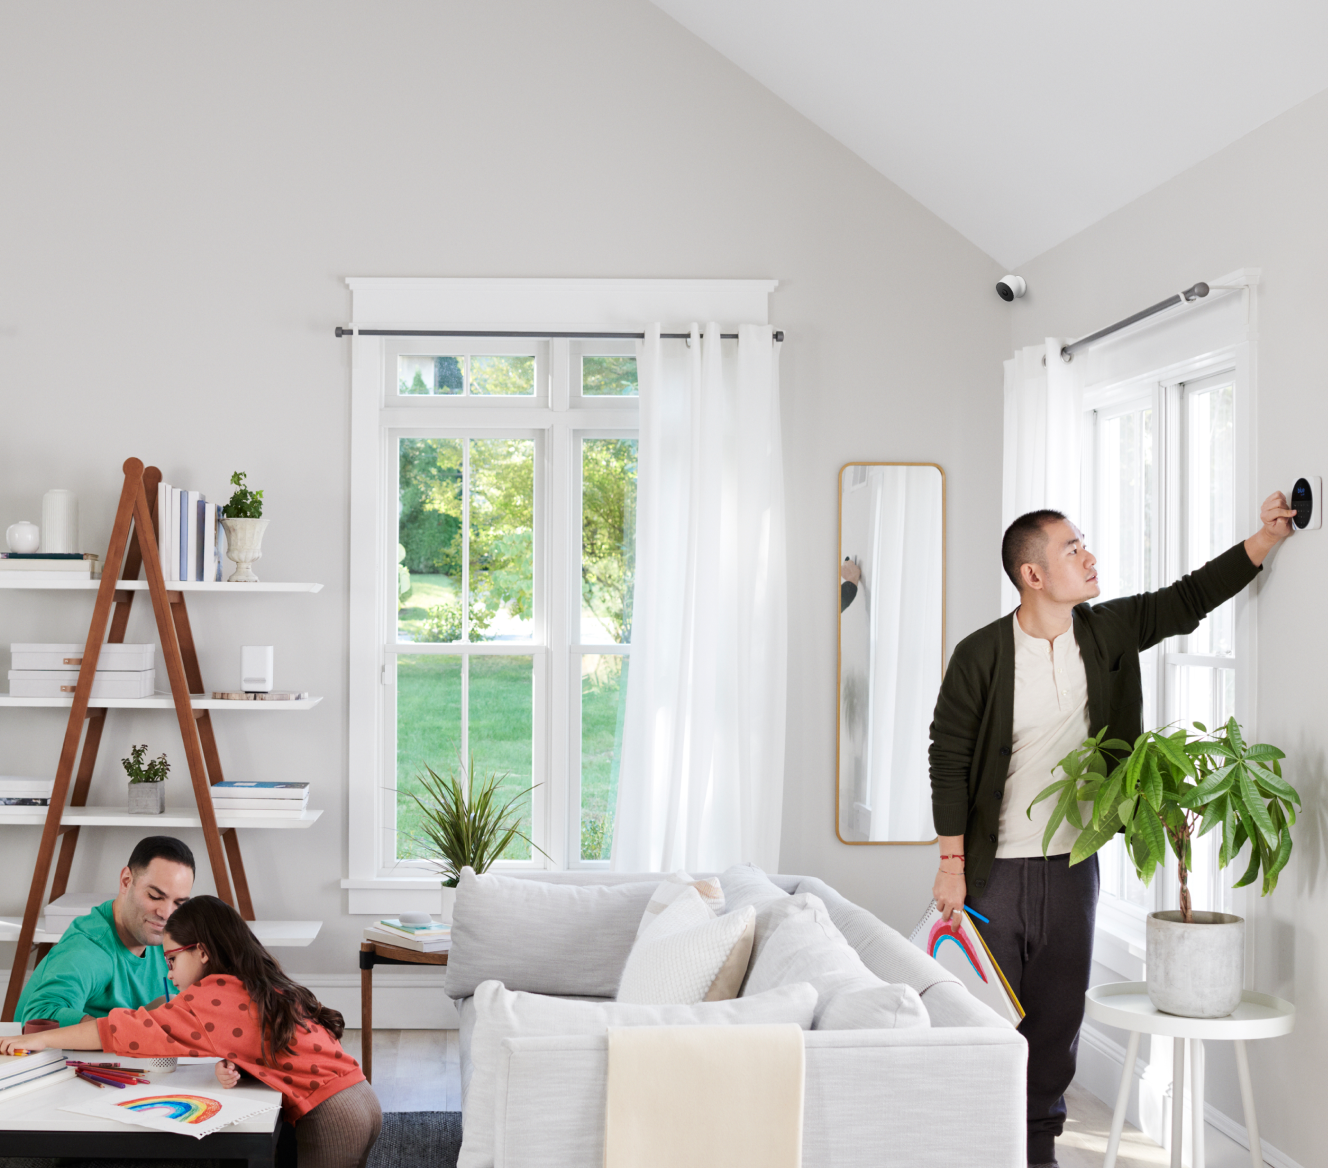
{"x":147,"y":798}
{"x":1195,"y":970}
{"x":244,"y":540}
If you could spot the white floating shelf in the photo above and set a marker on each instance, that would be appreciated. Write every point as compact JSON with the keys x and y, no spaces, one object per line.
{"x":284,"y":934}
{"x":166,"y":702}
{"x":15,"y":580}
{"x":119,"y":817}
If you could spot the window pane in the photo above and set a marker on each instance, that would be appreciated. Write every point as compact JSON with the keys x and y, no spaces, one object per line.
{"x":428,"y":731}
{"x":502,"y":376}
{"x":1204,"y":694}
{"x":603,"y":702}
{"x":501,"y":732}
{"x":608,"y":377}
{"x":418,"y":374}
{"x":1127,"y":500}
{"x":429,"y":539}
{"x":502,"y":538}
{"x":1208,"y":519}
{"x":608,"y":539}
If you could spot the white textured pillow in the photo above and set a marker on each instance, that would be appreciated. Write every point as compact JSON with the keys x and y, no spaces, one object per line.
{"x":670,"y":888}
{"x":801,"y":944}
{"x":746,"y":884}
{"x":500,"y":1014}
{"x":679,"y":958}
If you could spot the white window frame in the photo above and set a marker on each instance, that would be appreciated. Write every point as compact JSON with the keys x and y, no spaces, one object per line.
{"x":376,"y":882}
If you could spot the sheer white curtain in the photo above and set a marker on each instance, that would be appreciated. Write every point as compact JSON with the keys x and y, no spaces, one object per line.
{"x":1043,"y":452}
{"x":702,"y":777}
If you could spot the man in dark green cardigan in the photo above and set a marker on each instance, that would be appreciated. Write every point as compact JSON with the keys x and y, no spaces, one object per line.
{"x":1017,"y":697}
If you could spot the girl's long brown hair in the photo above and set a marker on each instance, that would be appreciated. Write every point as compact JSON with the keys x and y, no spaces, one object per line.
{"x":234,"y":951}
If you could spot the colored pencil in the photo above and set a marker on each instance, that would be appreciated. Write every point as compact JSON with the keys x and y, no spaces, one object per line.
{"x":89,"y":1079}
{"x":100,"y":1079}
{"x":119,"y":1076}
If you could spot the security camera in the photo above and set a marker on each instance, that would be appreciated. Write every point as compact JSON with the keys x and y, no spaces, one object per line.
{"x":1011,"y":287}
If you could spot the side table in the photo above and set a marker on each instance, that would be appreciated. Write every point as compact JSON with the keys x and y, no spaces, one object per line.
{"x":381,"y":953}
{"x":1126,"y":1004}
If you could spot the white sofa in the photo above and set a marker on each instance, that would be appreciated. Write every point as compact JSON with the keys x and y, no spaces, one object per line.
{"x":949,"y":1095}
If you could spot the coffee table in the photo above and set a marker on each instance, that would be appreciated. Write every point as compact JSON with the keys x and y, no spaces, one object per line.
{"x":381,"y":953}
{"x":34,"y":1124}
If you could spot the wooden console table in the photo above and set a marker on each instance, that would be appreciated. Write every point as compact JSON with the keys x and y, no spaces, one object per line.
{"x":381,"y":953}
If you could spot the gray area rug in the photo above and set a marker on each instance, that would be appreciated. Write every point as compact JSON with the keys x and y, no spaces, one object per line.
{"x":410,"y":1139}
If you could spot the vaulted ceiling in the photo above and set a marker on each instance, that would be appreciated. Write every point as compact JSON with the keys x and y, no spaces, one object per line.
{"x":1021,"y":123}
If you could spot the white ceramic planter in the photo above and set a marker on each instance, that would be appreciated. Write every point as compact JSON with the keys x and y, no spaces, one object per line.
{"x":147,"y":798}
{"x":1195,"y":970}
{"x":244,"y":539}
{"x":449,"y":902}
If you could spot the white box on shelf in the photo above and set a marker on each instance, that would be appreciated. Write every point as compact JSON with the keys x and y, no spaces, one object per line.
{"x":111,"y":657}
{"x":60,"y":683}
{"x":255,"y":668}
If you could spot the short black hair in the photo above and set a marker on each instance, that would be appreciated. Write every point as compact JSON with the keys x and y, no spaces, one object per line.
{"x":160,"y":847}
{"x":1025,"y":542}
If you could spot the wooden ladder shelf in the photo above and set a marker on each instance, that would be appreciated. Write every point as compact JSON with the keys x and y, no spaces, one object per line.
{"x":133,"y":546}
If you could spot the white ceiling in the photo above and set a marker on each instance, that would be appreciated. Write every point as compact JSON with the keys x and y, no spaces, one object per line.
{"x":1021,"y":123}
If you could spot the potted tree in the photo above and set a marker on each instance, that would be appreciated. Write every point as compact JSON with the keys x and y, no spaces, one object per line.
{"x":465,"y":822}
{"x":147,"y":782}
{"x":1165,"y":791}
{"x":244,"y":526}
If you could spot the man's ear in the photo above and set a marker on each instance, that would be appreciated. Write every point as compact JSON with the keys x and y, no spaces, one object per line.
{"x":126,"y":877}
{"x":1031,"y":575}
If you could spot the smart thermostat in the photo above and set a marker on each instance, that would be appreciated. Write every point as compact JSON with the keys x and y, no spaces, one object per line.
{"x":1306,"y":498}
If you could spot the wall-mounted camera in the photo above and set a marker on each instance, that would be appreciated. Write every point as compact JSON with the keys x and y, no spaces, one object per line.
{"x":1011,"y":287}
{"x":1306,"y":501}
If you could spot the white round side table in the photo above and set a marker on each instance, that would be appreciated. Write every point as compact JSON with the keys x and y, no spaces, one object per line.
{"x":1125,"y":1004}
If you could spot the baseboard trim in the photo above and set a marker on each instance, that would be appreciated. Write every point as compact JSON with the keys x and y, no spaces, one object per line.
{"x":1100,"y":1053}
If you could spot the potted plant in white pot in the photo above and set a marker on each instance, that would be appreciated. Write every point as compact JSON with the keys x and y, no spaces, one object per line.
{"x":244,"y":525}
{"x":147,"y":781}
{"x":1164,"y":792}
{"x":465,"y":822}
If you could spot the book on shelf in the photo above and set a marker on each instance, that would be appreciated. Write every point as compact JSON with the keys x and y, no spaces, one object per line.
{"x":207,"y":544}
{"x":235,"y":695}
{"x":11,"y":801}
{"x":190,"y":521}
{"x":71,"y":568}
{"x":254,"y":789}
{"x":273,"y":810}
{"x":294,"y":806}
{"x":22,"y":787}
{"x":431,"y":929}
{"x":164,"y":527}
{"x":49,"y":556}
{"x":419,"y":944}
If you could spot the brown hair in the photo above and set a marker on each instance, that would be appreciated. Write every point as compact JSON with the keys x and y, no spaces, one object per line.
{"x":1025,"y":542}
{"x":232,"y":949}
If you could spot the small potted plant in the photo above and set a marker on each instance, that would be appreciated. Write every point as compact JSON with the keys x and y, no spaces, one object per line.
{"x":244,"y":526}
{"x":465,"y":823}
{"x":1164,"y":792}
{"x":147,"y":781}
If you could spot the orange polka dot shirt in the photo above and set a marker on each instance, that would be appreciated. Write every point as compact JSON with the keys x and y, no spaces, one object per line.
{"x":215,"y":1017}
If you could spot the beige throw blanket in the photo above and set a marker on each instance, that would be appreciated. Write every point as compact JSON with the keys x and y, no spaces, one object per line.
{"x":704,"y":1096}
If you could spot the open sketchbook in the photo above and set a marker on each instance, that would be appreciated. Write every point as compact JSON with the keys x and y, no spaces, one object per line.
{"x":961,"y":950}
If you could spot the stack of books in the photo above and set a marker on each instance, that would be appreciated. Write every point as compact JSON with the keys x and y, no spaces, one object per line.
{"x":51,"y":567}
{"x":190,"y":537}
{"x":430,"y":938}
{"x":65,"y":910}
{"x":26,"y":1072}
{"x":260,"y":800}
{"x":17,"y":791}
{"x":51,"y":670}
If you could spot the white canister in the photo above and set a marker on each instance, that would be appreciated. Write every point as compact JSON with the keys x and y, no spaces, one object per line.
{"x":23,"y":537}
{"x":59,"y":525}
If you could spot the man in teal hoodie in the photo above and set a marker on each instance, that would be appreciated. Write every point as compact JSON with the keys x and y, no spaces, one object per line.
{"x":112,"y":957}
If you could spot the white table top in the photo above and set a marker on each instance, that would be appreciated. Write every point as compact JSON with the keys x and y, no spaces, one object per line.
{"x":1125,"y":1004}
{"x":40,"y":1110}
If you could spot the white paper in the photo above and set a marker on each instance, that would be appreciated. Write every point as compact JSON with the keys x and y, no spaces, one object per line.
{"x":963,"y":953}
{"x":181,"y":1108}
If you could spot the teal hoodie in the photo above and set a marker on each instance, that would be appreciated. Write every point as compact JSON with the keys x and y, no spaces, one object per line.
{"x":91,"y":972}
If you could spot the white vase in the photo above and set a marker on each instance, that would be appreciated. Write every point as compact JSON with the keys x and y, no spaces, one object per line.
{"x":449,"y":903}
{"x":59,"y":524}
{"x":244,"y":538}
{"x":23,"y":537}
{"x":147,"y":798}
{"x":1195,"y":970}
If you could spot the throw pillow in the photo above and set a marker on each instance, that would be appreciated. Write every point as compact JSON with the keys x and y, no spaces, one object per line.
{"x":542,"y":937}
{"x":746,"y":884}
{"x":688,"y":955}
{"x":801,"y":943}
{"x":670,"y":888}
{"x":500,"y":1014}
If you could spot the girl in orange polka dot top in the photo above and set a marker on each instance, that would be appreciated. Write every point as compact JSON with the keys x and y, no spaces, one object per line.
{"x":237,"y":1004}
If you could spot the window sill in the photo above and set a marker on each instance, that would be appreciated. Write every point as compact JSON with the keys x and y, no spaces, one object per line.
{"x":389,"y":895}
{"x":1120,"y":938}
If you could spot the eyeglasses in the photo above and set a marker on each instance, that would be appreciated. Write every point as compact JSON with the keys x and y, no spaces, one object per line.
{"x":170,"y":954}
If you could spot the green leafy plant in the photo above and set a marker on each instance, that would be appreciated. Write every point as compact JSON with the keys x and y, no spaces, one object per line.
{"x":1170,"y":788}
{"x":465,"y":820}
{"x":156,"y":771}
{"x":243,"y":503}
{"x":444,"y":621}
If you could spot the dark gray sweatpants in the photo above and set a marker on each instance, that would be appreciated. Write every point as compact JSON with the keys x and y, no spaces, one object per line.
{"x":1041,"y":914}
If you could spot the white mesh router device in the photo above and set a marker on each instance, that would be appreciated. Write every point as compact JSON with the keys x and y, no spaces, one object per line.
{"x":256,"y":668}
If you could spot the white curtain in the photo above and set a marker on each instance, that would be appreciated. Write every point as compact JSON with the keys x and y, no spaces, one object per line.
{"x":1043,"y":428}
{"x":702,"y":776}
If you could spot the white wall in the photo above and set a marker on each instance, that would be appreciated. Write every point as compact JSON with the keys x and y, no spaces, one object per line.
{"x":1258,"y":204}
{"x":185,"y":189}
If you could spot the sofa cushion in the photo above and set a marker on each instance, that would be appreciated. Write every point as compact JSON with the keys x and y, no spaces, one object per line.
{"x":800,"y":943}
{"x":501,"y":1014}
{"x":687,"y":955}
{"x":671,"y":887}
{"x":746,"y":884}
{"x":542,"y":937}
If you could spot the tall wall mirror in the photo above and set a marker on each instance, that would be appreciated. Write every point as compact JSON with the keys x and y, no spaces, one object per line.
{"x":891,"y":647}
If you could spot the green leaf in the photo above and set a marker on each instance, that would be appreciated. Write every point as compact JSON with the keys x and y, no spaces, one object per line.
{"x":1058,"y":814}
{"x":1133,"y":770}
{"x":1125,"y":811}
{"x":1115,"y":744}
{"x":1234,"y":735}
{"x":1201,"y":728}
{"x":1106,"y":798}
{"x":1092,"y":840}
{"x":1175,"y":755}
{"x":1252,"y":871}
{"x":1280,"y":858}
{"x":1261,"y":751}
{"x":1258,"y":812}
{"x":1273,"y":785}
{"x":1227,"y":851}
{"x":1150,"y":827}
{"x":1046,"y":792}
{"x":1152,"y":784}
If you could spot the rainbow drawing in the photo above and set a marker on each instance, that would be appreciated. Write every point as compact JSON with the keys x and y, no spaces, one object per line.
{"x":943,"y":931}
{"x":183,"y":1108}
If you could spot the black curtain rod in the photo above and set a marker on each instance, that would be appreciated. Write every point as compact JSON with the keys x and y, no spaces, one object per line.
{"x":369,"y":332}
{"x":1195,"y":292}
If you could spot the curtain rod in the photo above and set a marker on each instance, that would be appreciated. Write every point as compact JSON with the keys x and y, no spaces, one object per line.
{"x":369,"y":332}
{"x":1196,"y":292}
